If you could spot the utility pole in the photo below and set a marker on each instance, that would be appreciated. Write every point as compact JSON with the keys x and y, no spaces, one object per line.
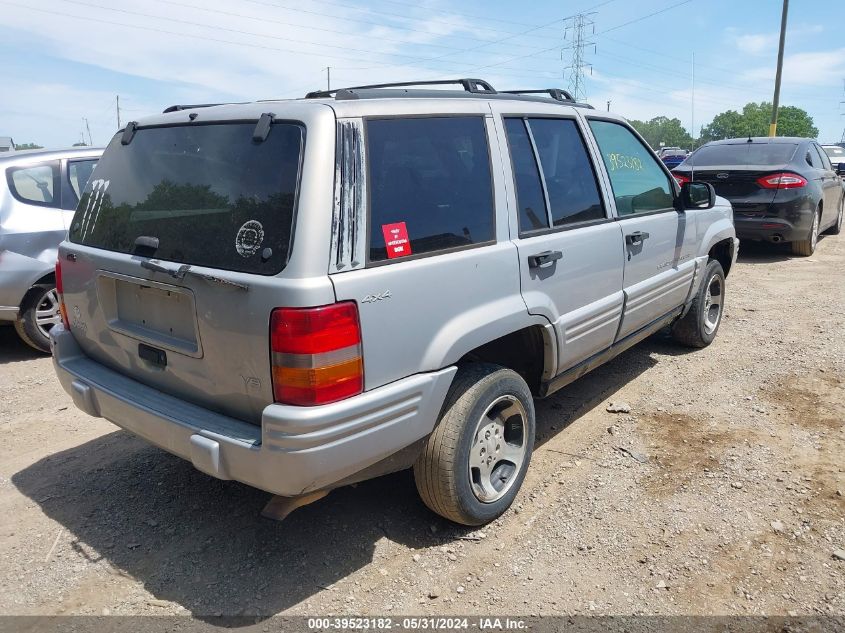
{"x":117,"y":105}
{"x":576,"y":30}
{"x":328,"y":77}
{"x":88,"y":127}
{"x":773,"y":128}
{"x":608,"y":105}
{"x":692,"y":104}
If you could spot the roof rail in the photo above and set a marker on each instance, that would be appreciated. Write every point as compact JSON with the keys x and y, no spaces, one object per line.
{"x":555,"y":93}
{"x":477,"y":86}
{"x":177,"y":108}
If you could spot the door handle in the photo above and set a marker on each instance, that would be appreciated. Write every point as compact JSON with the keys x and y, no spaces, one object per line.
{"x":541,"y":259}
{"x":636,"y":237}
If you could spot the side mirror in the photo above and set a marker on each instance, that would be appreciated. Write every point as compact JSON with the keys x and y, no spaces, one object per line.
{"x":697,"y":195}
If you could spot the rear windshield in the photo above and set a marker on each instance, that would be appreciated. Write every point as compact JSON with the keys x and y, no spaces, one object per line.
{"x":834,"y":151}
{"x":210,"y":194}
{"x":743,"y":154}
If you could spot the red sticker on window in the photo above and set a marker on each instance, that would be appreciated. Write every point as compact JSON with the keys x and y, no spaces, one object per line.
{"x":396,"y":240}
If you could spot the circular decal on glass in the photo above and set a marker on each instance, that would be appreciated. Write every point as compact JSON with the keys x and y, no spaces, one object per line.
{"x":249,"y":238}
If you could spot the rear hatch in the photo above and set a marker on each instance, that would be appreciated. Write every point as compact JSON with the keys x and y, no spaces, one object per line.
{"x":170,"y":269}
{"x":734,"y":170}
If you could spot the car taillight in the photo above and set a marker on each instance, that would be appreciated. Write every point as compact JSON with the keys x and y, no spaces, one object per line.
{"x":316,"y":354}
{"x":681,"y":179}
{"x":60,"y":289}
{"x":784,"y":180}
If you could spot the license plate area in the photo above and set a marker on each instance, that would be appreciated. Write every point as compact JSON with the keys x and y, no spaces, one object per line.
{"x":160,"y":314}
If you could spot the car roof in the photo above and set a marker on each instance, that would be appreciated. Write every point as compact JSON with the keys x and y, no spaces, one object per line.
{"x":36,"y":155}
{"x":761,"y":139}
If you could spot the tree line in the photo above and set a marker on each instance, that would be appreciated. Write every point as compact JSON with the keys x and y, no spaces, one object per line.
{"x":752,"y":121}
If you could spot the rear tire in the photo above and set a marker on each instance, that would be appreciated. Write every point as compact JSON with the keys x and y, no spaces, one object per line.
{"x":836,"y":229}
{"x":475,"y":461}
{"x":805,"y":248}
{"x":39,"y":313}
{"x":699,"y":326}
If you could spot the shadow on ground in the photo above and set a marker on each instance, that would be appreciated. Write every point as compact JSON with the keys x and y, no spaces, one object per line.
{"x":201,"y":543}
{"x":13,"y":349}
{"x":765,"y":253}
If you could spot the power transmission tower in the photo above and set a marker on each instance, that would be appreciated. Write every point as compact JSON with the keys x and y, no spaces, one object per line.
{"x":578,"y":30}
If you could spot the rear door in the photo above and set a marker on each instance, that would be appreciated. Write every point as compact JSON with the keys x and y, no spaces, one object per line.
{"x":831,"y":186}
{"x":659,"y":242}
{"x":172,"y":266}
{"x":570,"y":249}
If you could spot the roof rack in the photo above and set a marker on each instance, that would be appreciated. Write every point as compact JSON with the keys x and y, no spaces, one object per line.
{"x":476,"y":86}
{"x":555,"y":93}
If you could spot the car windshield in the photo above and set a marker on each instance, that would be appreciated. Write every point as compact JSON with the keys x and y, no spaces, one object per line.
{"x":742,"y":154}
{"x":834,"y":151}
{"x":208,"y":194}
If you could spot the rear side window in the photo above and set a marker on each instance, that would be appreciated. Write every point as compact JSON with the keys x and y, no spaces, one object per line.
{"x":743,"y":154}
{"x":530,"y":198}
{"x":430,"y":186}
{"x":568,"y":174}
{"x":78,"y":173}
{"x":209,"y":194}
{"x":35,"y":184}
{"x":639,"y":183}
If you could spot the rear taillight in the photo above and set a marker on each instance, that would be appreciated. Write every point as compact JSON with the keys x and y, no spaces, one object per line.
{"x":681,"y":179}
{"x":786,"y":180}
{"x":316,"y":354}
{"x":60,"y":289}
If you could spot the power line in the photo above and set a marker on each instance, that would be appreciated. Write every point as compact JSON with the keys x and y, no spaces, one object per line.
{"x":618,"y":26}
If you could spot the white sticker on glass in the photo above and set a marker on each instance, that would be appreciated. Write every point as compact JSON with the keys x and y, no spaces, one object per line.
{"x":249,"y":238}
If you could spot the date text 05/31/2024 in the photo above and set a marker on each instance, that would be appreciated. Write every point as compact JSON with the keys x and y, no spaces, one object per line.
{"x":417,"y":623}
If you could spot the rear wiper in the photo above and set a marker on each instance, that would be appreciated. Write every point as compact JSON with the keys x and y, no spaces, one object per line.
{"x":185,"y":269}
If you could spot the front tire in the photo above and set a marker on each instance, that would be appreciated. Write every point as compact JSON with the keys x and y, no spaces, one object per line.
{"x":475,"y":461}
{"x":699,"y":326}
{"x":807,"y":247}
{"x":39,"y":313}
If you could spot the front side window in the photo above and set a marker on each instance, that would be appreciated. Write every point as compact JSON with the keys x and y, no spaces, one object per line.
{"x":430,"y":185}
{"x":35,"y":184}
{"x":639,"y":183}
{"x":208,"y":194}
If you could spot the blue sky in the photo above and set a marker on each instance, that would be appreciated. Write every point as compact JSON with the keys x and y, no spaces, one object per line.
{"x":65,"y":60}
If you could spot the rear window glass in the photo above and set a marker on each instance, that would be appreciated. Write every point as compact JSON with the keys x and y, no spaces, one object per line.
{"x":210,"y":195}
{"x":743,"y":154}
{"x":430,"y":186}
{"x":837,"y":152}
{"x":35,"y":184}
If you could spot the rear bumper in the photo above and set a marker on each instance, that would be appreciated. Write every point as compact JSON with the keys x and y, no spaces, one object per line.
{"x":294,"y":451}
{"x":771,"y":229}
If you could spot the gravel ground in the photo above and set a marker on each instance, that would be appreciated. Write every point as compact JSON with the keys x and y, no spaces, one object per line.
{"x":719,"y":492}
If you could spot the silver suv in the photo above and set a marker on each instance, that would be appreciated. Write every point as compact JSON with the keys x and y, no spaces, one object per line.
{"x":303,"y":294}
{"x":39,"y":191}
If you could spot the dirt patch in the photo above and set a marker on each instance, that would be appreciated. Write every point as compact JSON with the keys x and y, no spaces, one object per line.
{"x":682,"y":447}
{"x":814,"y":401}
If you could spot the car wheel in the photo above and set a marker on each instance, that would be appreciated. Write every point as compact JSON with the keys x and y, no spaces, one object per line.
{"x":699,"y":326}
{"x":39,"y":313}
{"x":475,"y":461}
{"x":807,"y":247}
{"x":837,"y":227}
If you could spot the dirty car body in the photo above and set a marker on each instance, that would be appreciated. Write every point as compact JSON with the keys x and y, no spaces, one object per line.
{"x":350,"y":256}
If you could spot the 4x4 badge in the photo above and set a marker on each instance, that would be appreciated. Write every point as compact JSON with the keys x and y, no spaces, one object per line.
{"x":376,"y":297}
